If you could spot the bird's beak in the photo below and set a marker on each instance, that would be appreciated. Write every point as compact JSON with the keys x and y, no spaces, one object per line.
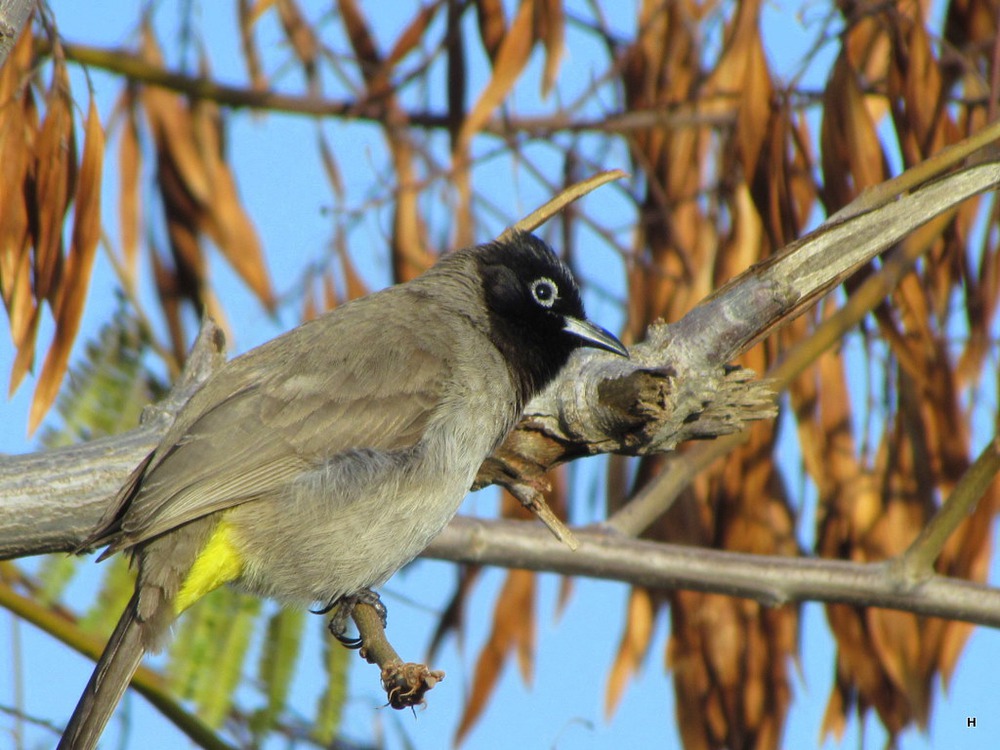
{"x":594,"y":336}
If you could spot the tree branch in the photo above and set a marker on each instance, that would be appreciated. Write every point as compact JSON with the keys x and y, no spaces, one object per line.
{"x":145,"y":681}
{"x":51,"y":500}
{"x":917,"y":563}
{"x":134,"y":67}
{"x":770,"y":580}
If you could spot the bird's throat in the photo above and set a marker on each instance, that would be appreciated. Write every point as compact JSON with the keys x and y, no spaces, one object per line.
{"x":218,"y":563}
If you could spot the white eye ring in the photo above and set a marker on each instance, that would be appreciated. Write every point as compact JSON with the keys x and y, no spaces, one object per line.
{"x":545,"y":291}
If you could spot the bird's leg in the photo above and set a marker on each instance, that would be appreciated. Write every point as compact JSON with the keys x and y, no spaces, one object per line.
{"x":342,"y":609}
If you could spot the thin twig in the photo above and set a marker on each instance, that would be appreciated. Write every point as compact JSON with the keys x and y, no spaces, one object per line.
{"x":574,"y":192}
{"x":917,"y":563}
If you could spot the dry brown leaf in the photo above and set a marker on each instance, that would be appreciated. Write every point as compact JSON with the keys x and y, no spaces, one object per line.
{"x":76,"y":279}
{"x":87,"y":220}
{"x":566,"y":588}
{"x":353,"y":283}
{"x":551,"y":29}
{"x":199,"y":192}
{"x":186,"y":279}
{"x":412,"y":35}
{"x":513,"y":628}
{"x":55,"y":176}
{"x":247,"y":15}
{"x":15,"y":272}
{"x":168,"y":289}
{"x":309,"y":308}
{"x":330,"y":168}
{"x":852,"y":154}
{"x":671,"y":158}
{"x":173,"y":130}
{"x":259,"y":9}
{"x":982,"y":303}
{"x":17,"y":135}
{"x":183,"y":215}
{"x":632,"y":648}
{"x":510,"y":61}
{"x":756,"y":93}
{"x":886,"y":660}
{"x":452,"y":616}
{"x":330,"y":297}
{"x":782,"y":188}
{"x":206,"y":129}
{"x":746,"y":242}
{"x":915,"y":80}
{"x":409,"y":256}
{"x":698,"y":717}
{"x":129,"y":190}
{"x":360,"y":37}
{"x":24,"y":359}
{"x":561,"y":201}
{"x":967,"y":555}
{"x":521,"y":599}
{"x":233,"y":231}
{"x":896,"y":644}
{"x":850,"y":506}
{"x":492,"y":26}
{"x":730,"y":663}
{"x":741,"y":85}
{"x":731,"y":657}
{"x":300,"y":35}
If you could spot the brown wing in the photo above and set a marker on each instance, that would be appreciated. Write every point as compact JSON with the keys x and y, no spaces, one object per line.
{"x":367,"y":376}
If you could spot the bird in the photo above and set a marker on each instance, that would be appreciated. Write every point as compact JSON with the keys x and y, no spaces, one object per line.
{"x":313,"y":467}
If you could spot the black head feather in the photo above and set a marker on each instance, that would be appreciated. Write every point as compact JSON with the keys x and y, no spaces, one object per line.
{"x":530,"y":297}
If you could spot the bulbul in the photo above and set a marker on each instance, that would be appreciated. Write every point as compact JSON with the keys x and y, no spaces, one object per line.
{"x":312,"y":468}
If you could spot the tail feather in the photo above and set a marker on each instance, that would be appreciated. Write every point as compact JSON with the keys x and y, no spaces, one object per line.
{"x":107,"y":684}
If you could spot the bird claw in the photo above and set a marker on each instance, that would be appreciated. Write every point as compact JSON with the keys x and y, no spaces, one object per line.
{"x":342,"y":609}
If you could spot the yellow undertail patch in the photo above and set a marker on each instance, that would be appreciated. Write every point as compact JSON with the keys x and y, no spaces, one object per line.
{"x":218,"y":563}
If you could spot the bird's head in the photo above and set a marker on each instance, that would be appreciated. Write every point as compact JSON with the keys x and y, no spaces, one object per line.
{"x":535,"y":312}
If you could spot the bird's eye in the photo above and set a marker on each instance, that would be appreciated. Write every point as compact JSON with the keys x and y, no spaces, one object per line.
{"x":545,"y":291}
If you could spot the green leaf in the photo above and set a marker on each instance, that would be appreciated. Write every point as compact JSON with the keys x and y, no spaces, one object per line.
{"x":330,"y":709}
{"x":279,"y":655}
{"x":107,"y":390}
{"x":207,"y":657}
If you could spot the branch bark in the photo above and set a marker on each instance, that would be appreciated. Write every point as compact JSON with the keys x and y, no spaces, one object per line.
{"x":772,"y":581}
{"x":132,"y":66}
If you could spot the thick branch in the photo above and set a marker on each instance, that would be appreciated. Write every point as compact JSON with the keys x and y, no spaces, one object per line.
{"x":770,"y":580}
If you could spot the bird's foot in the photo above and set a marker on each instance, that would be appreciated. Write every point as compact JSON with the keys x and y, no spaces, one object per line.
{"x":342,"y":609}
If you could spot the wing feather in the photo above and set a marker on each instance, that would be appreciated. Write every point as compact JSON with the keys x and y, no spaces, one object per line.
{"x":324,"y":388}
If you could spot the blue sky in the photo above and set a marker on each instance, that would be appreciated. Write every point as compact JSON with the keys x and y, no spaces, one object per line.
{"x":563,"y":707}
